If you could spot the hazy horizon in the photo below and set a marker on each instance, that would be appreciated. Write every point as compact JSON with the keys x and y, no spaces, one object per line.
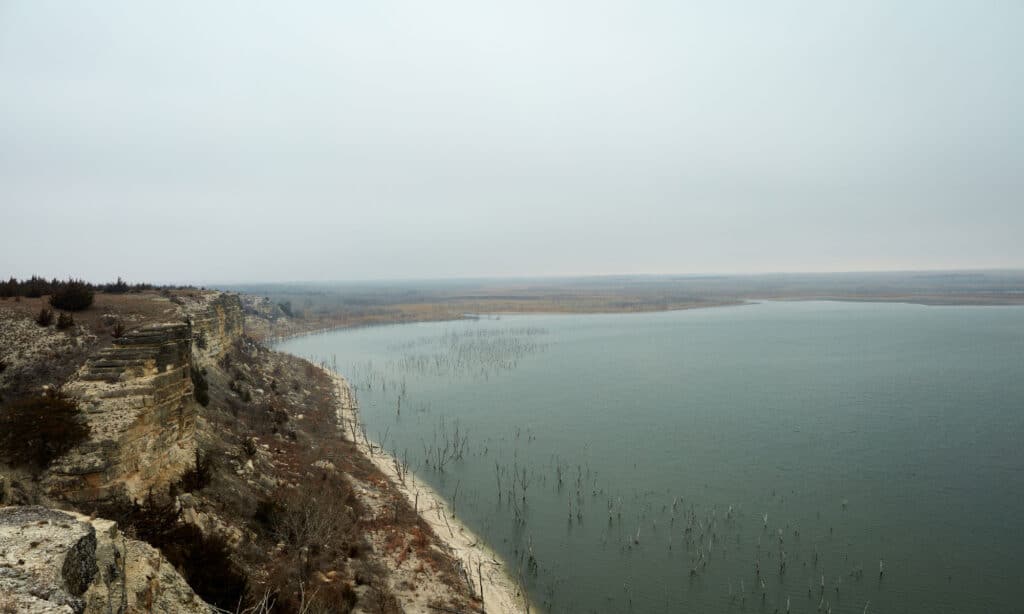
{"x":217,"y":144}
{"x":512,"y":277}
{"x":596,"y":276}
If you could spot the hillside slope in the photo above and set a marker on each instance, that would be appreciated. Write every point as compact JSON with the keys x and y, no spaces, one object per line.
{"x":221,"y":456}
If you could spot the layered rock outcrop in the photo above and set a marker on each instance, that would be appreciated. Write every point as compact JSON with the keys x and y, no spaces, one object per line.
{"x":137,"y":399}
{"x":61,"y":562}
{"x":217,"y":322}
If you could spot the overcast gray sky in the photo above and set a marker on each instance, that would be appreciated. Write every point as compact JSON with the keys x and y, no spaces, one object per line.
{"x":242,"y":141}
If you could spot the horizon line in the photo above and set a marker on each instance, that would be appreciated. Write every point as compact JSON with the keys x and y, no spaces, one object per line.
{"x":573,"y":276}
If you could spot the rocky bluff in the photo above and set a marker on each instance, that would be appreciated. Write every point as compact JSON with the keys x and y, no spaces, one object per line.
{"x":137,"y":396}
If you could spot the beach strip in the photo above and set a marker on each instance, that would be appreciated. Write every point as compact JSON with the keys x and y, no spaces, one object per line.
{"x":501,"y":593}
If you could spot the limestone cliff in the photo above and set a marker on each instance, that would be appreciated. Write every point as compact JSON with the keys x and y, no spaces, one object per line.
{"x":137,"y":399}
{"x":137,"y":396}
{"x":217,"y":322}
{"x":269,"y":432}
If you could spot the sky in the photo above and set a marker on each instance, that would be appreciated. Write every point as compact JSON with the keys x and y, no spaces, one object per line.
{"x":208,"y":142}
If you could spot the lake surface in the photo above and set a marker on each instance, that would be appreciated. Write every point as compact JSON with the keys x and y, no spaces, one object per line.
{"x":730,"y":459}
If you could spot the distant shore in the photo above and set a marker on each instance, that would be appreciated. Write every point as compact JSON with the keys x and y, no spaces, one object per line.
{"x":294,"y":309}
{"x":484,"y":568}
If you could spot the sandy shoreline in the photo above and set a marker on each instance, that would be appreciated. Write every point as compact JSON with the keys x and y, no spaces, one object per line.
{"x":500,"y":591}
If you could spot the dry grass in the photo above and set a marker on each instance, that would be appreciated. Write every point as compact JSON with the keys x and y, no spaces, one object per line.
{"x":134,"y":308}
{"x":32,"y":356}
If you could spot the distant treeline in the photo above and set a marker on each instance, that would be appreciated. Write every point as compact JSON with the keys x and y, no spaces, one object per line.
{"x":36,"y":286}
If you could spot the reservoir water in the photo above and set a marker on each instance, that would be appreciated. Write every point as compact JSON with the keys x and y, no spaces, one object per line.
{"x":781,"y":456}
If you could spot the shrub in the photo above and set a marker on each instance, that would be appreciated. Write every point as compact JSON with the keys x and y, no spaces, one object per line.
{"x":72,"y":296}
{"x":268,"y":513}
{"x":65,"y":321}
{"x":152,"y":521}
{"x":200,"y":387}
{"x":45,"y":317}
{"x":118,"y":331}
{"x":204,"y":560}
{"x":303,"y":519}
{"x":8,"y":288}
{"x":36,"y":430}
{"x":198,"y":477}
{"x":316,"y":531}
{"x":35,"y":287}
{"x":118,"y":287}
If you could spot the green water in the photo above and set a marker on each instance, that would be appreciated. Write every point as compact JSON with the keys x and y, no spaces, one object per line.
{"x":865,"y":432}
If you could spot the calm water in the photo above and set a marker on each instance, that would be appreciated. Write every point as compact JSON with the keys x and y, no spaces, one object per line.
{"x":865,"y":433}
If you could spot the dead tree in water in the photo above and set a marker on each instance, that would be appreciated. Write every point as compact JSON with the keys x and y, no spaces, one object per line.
{"x":524,"y":483}
{"x":497,"y":475}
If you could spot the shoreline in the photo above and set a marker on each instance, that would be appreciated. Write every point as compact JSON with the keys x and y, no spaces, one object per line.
{"x":500,"y":592}
{"x":274,"y":340}
{"x":924,"y":301}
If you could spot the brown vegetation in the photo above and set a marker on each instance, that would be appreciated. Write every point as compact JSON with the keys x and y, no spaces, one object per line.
{"x":285,"y":477}
{"x":45,"y":317}
{"x":35,"y":430}
{"x":65,"y":321}
{"x":72,"y":295}
{"x":304,"y":547}
{"x":204,"y":560}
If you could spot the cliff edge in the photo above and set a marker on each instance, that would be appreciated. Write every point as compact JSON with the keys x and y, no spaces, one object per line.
{"x":213,"y":474}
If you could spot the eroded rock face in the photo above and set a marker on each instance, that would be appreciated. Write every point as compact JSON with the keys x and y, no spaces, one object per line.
{"x":47,"y":559}
{"x":137,"y":398}
{"x":217,"y":322}
{"x":61,"y":562}
{"x":135,"y":577}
